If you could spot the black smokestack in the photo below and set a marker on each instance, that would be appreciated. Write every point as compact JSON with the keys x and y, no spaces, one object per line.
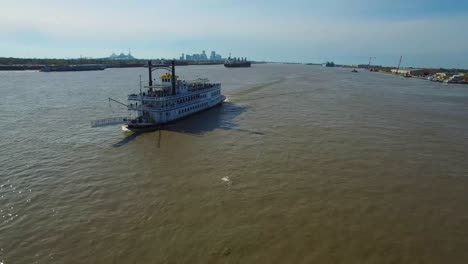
{"x":150,"y":82}
{"x":173,"y":77}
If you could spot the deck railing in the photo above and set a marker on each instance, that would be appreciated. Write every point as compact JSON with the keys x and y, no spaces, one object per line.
{"x":109,"y":121}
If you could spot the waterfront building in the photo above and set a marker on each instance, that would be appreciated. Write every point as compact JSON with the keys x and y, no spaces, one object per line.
{"x":458,"y":78}
{"x":414,"y":72}
{"x":121,"y":56}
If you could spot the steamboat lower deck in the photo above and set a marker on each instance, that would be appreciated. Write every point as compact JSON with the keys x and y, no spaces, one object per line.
{"x":137,"y":125}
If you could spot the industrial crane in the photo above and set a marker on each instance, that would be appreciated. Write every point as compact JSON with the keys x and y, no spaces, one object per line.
{"x":370,"y":60}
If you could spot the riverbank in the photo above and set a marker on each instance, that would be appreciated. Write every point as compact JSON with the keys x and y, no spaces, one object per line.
{"x":20,"y":67}
{"x":441,"y":76}
{"x":25,"y":64}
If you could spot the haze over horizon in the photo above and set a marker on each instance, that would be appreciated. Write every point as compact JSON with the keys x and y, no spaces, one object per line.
{"x":427,"y":33}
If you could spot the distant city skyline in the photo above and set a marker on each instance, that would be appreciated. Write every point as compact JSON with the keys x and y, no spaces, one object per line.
{"x":427,"y":33}
{"x":201,"y":57}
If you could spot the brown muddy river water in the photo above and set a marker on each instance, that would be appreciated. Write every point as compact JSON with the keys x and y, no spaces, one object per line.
{"x":303,"y":164}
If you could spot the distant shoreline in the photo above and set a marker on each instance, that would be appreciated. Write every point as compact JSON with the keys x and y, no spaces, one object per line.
{"x":24,"y":64}
{"x":27,"y":64}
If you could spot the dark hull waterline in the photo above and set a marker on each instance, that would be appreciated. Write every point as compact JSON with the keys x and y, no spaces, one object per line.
{"x":152,"y":127}
{"x":238,"y":65}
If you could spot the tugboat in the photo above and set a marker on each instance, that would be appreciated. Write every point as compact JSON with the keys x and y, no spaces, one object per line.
{"x":167,"y":101}
{"x":237,"y":63}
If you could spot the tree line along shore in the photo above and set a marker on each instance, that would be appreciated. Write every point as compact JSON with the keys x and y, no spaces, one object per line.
{"x":19,"y":64}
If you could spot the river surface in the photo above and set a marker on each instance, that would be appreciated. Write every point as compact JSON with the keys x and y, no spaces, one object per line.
{"x":303,"y":164}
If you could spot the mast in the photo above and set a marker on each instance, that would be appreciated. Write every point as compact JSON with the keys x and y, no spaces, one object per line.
{"x":150,"y":82}
{"x":370,"y":61}
{"x":173,"y":77}
{"x":399,"y":64}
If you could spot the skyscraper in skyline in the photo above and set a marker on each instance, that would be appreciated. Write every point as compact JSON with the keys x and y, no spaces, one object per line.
{"x":203,"y":56}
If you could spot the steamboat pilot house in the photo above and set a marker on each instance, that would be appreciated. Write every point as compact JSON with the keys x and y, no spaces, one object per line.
{"x":170,"y":99}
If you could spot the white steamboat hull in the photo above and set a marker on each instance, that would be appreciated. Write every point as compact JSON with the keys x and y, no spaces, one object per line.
{"x":160,"y":117}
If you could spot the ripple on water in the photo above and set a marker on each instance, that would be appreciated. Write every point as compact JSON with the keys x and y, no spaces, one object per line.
{"x":316,"y":158}
{"x":13,"y":201}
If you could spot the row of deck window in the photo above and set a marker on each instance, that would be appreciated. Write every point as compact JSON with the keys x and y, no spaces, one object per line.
{"x":171,"y":103}
{"x":190,"y":98}
{"x":188,"y":109}
{"x":179,"y":101}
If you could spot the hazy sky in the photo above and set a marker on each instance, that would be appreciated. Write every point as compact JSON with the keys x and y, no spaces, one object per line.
{"x":429,"y":33}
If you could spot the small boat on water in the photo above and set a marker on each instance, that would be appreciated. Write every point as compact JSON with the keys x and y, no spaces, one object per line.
{"x":354,"y":70}
{"x":167,"y":101}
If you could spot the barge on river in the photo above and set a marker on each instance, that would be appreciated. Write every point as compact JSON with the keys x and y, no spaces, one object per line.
{"x":80,"y":67}
{"x":237,"y":63}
